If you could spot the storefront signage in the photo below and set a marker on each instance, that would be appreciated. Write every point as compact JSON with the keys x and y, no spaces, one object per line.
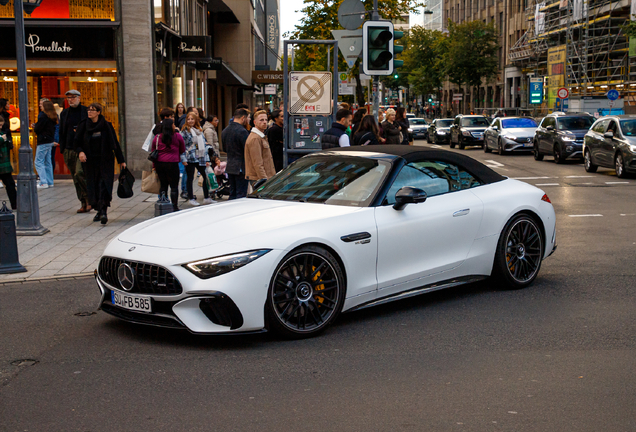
{"x":192,"y":48}
{"x":215,"y":63}
{"x":273,"y":32}
{"x":267,"y":77}
{"x":61,"y":43}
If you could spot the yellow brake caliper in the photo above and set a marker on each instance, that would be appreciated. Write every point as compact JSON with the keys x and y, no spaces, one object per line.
{"x":319,"y":287}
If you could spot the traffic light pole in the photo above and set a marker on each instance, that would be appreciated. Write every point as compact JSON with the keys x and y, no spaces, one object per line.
{"x":376,"y":80}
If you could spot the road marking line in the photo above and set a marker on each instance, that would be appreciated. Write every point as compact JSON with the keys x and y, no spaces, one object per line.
{"x":579,"y":176}
{"x":547,"y":184}
{"x":531,"y":178}
{"x":616,"y":182}
{"x":587,"y":215}
{"x":628,"y":214}
{"x":436,"y":146}
{"x":492,"y":163}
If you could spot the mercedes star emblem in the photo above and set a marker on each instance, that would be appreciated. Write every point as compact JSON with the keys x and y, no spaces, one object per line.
{"x":126,"y":276}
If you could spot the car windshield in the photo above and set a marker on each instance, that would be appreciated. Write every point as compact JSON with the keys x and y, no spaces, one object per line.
{"x":417,"y":121}
{"x":475,"y":121}
{"x":444,"y":123}
{"x":574,"y":123}
{"x":327,"y":179}
{"x":518,"y":123}
{"x":628,"y":127}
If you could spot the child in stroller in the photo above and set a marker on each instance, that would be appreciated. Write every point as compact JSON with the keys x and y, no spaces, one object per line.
{"x":221,"y":179}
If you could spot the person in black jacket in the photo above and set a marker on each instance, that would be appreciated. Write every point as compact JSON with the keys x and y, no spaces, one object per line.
{"x":97,"y":147}
{"x":368,"y":133}
{"x":70,"y":118}
{"x":403,"y":122}
{"x":357,"y":120}
{"x":233,"y":138}
{"x":45,"y":131}
{"x":275,"y":137}
{"x":337,"y":136}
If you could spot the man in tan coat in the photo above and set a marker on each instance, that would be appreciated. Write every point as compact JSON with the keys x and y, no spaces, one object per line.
{"x":259,"y":163}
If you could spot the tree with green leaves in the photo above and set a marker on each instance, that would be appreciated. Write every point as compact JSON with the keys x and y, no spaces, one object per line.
{"x":320,"y":17}
{"x":472,"y":53}
{"x":423,"y":56}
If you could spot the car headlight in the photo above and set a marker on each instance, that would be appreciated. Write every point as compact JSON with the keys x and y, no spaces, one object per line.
{"x":211,"y":267}
{"x":632,"y":148}
{"x":410,"y":130}
{"x":466,"y":133}
{"x":509,"y":137}
{"x":568,"y":138}
{"x":441,"y":132}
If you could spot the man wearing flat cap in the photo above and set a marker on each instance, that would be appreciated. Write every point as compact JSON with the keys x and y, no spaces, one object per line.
{"x":69,"y":120}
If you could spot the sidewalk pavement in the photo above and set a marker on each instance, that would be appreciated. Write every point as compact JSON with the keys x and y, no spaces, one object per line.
{"x":74,"y":244}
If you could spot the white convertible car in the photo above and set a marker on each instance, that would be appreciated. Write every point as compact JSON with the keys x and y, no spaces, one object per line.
{"x":335,"y":231}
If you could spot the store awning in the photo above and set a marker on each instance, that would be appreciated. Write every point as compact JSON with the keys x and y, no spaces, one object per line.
{"x":224,"y":14}
{"x":228,"y":77}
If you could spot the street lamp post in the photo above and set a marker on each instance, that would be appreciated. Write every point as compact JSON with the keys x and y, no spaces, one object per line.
{"x":28,"y":222}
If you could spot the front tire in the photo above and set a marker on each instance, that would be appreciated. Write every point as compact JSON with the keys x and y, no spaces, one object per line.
{"x":451,"y":143}
{"x":306,"y":293}
{"x":460,"y":141}
{"x":486,"y":148}
{"x":500,"y":149}
{"x":587,"y":162}
{"x":519,"y":253}
{"x":558,"y":155}
{"x":537,"y":156}
{"x":620,"y":166}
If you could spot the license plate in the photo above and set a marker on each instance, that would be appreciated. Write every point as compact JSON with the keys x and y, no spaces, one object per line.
{"x":130,"y":302}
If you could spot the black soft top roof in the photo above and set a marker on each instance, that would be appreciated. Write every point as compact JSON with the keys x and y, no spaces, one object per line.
{"x":412,"y":153}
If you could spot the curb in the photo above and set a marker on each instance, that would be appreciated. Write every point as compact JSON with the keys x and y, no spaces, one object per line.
{"x":48,"y":278}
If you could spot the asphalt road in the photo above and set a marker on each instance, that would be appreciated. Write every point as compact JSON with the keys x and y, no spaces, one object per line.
{"x":558,"y":356}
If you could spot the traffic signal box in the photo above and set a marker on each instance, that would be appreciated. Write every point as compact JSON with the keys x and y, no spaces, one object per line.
{"x":378,"y":51}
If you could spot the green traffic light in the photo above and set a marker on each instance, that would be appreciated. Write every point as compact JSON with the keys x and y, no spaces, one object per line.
{"x":395,"y":76}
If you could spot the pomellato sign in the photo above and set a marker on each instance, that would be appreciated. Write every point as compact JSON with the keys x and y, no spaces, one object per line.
{"x":192,"y":48}
{"x":61,"y":43}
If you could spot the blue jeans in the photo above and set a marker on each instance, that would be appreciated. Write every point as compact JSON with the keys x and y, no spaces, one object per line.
{"x":43,"y":163}
{"x":184,"y":178}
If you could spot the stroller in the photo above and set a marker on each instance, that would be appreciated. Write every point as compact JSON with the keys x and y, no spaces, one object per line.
{"x":222,"y":181}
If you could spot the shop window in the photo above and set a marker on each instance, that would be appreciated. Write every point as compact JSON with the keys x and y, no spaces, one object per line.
{"x":69,"y":9}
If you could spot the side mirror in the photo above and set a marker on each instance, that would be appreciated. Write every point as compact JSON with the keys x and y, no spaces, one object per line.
{"x":609,"y":134}
{"x":259,"y":183}
{"x":408,"y":195}
{"x":495,"y":127}
{"x":550,"y":128}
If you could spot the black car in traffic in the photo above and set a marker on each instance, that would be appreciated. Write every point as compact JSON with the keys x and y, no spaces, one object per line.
{"x":561,"y":136}
{"x":468,"y":130}
{"x":611,"y":143}
{"x":439,"y":131}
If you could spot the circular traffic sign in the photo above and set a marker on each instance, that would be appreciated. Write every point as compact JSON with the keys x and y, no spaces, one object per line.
{"x":612,"y":95}
{"x":351,"y":14}
{"x":563,"y":93}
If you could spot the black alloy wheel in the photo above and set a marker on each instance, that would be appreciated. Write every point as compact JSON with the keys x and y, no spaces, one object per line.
{"x":306,"y":293}
{"x":537,"y":155}
{"x":587,"y":162}
{"x":558,"y":154}
{"x":620,"y":165}
{"x":519,"y":252}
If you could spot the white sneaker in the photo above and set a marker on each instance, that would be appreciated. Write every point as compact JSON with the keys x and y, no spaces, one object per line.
{"x":1,"y":185}
{"x":194,"y":203}
{"x":43,"y":186}
{"x":50,"y":186}
{"x":208,"y":201}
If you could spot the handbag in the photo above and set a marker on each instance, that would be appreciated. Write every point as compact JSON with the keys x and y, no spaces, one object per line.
{"x":154,"y":155}
{"x":126,"y":181}
{"x":150,"y":182}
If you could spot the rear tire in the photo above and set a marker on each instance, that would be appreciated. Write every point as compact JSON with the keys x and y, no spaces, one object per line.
{"x":519,"y":253}
{"x":486,"y":148}
{"x":620,"y":165}
{"x":587,"y":162}
{"x":306,"y":293}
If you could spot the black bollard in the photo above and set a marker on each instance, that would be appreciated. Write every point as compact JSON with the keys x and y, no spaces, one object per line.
{"x":163,"y":205}
{"x":9,"y":261}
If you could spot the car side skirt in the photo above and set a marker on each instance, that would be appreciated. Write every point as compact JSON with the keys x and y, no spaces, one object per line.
{"x":420,"y":290}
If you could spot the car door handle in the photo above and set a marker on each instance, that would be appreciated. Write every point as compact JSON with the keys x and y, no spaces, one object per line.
{"x":461,"y":212}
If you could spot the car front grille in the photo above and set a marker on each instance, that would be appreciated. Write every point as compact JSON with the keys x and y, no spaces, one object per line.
{"x":523,"y":140}
{"x":478,"y":135}
{"x":149,"y":278}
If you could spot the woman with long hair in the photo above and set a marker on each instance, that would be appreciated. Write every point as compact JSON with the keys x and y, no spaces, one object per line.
{"x":357,"y":119}
{"x":390,"y":128}
{"x":403,"y":122}
{"x":97,"y":147}
{"x":368,"y":133}
{"x":170,"y":146}
{"x":179,"y":114}
{"x":45,"y":131}
{"x":196,"y":155}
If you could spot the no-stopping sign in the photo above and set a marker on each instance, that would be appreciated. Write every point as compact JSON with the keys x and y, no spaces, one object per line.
{"x":563,"y":93}
{"x":310,"y":93}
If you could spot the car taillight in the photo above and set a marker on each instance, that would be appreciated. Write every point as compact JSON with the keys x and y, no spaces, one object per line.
{"x":546,"y":199}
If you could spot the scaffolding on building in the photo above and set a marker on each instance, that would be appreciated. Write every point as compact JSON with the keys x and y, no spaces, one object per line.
{"x":597,"y":50}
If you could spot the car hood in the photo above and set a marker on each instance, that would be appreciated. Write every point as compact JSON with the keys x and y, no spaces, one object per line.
{"x":419,"y":127}
{"x":444,"y":129}
{"x":224,"y":222}
{"x":520,"y":132}
{"x":579,"y":133}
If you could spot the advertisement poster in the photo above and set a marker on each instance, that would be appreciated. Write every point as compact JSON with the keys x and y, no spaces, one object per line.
{"x":556,"y":72}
